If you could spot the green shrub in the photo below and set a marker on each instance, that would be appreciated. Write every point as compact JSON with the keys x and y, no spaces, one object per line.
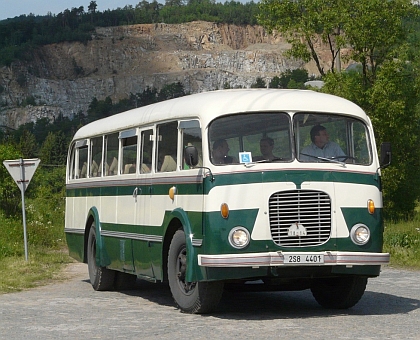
{"x":402,"y":241}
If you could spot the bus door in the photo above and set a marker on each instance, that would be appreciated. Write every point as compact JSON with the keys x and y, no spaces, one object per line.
{"x":191,"y":199}
{"x":143,"y":200}
{"x":126,"y":211}
{"x":144,"y":187}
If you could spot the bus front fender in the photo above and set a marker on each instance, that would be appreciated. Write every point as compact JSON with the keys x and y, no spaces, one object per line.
{"x":193,"y":269}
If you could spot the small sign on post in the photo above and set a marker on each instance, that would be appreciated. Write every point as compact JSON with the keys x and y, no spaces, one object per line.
{"x":22,"y":171}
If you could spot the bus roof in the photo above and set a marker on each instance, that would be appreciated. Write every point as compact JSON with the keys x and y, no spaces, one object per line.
{"x":209,"y":105}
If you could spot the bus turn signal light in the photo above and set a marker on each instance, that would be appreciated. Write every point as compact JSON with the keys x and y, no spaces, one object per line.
{"x":371,"y":207}
{"x":224,"y":210}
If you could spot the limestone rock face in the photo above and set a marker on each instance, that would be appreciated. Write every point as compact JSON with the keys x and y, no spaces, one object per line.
{"x":62,"y":79}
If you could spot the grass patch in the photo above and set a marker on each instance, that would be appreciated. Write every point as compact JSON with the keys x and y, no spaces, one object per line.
{"x":47,"y":251}
{"x":43,"y":266}
{"x":402,"y":241}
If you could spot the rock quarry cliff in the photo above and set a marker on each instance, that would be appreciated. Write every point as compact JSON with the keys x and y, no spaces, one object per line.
{"x":64,"y":78}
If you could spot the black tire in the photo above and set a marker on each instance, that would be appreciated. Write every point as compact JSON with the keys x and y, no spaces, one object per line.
{"x":101,"y":278}
{"x":190,"y":297}
{"x":339,"y":293}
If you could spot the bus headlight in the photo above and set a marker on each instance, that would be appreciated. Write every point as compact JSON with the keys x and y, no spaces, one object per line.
{"x":360,"y":234}
{"x":239,"y":237}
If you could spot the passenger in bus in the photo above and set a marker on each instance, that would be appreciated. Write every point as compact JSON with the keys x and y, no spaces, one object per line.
{"x":220,"y":152}
{"x":321,"y":146}
{"x":266,"y":148}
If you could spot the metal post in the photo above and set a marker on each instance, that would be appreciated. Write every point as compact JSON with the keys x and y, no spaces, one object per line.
{"x":22,"y":183}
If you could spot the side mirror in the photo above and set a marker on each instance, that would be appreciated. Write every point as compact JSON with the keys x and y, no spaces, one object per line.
{"x":191,"y":156}
{"x":385,"y":154}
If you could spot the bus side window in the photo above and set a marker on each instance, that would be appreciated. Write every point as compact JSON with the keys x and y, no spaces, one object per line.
{"x":146,"y":151}
{"x":129,"y":154}
{"x":192,"y":137}
{"x":82,"y":161}
{"x":167,"y":147}
{"x":96,"y":154}
{"x":111,"y":155}
{"x":73,"y":170}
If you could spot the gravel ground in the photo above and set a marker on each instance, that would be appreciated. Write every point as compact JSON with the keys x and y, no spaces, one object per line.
{"x":71,"y":309}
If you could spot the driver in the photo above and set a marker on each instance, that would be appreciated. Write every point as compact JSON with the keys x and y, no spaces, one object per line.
{"x":320,"y":146}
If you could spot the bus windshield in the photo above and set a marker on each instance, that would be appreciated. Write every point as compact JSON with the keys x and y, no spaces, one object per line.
{"x":331,"y":138}
{"x":265,"y":135}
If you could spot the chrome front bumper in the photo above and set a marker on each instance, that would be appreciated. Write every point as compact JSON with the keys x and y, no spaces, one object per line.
{"x":331,"y":258}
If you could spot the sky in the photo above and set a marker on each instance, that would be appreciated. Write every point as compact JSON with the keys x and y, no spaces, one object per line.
{"x":13,"y":8}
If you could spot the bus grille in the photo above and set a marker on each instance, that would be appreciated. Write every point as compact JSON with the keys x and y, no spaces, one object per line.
{"x":305,"y":210}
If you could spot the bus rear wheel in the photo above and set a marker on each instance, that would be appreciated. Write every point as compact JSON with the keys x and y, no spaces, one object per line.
{"x":190,"y":297}
{"x":101,"y":278}
{"x":340,"y":292}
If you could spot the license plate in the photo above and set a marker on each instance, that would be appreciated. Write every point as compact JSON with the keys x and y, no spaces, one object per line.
{"x":304,"y":258}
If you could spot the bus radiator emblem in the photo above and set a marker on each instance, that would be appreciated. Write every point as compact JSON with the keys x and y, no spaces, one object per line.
{"x":296,"y":229}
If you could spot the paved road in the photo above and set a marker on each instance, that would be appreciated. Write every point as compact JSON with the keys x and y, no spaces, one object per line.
{"x":390,"y":309}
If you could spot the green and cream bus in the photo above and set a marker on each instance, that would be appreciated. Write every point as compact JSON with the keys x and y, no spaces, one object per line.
{"x":185,"y":192}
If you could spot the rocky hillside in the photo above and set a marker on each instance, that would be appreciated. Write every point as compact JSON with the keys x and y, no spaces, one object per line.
{"x":203,"y":56}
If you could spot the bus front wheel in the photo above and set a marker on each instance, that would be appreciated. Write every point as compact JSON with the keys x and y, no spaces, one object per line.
{"x":101,"y":278}
{"x":190,"y":297}
{"x":339,"y":292}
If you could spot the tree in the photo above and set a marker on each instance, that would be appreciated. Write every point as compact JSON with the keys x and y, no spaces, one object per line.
{"x":373,"y":29}
{"x":394,"y":108}
{"x":170,"y":91}
{"x":395,"y":113}
{"x":305,"y":23}
{"x":92,"y":7}
{"x":368,"y":29}
{"x":259,"y":84}
{"x":275,"y":83}
{"x":99,"y":108}
{"x":92,"y":10}
{"x":291,"y":79}
{"x":53,"y":150}
{"x":27,"y":144}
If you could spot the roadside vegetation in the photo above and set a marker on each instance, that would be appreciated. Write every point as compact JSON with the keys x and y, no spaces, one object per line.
{"x":47,"y":252}
{"x":402,"y":241}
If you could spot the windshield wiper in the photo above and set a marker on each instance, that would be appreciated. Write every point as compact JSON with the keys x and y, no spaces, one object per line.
{"x":264,"y":161}
{"x":331,"y":160}
{"x":269,"y":161}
